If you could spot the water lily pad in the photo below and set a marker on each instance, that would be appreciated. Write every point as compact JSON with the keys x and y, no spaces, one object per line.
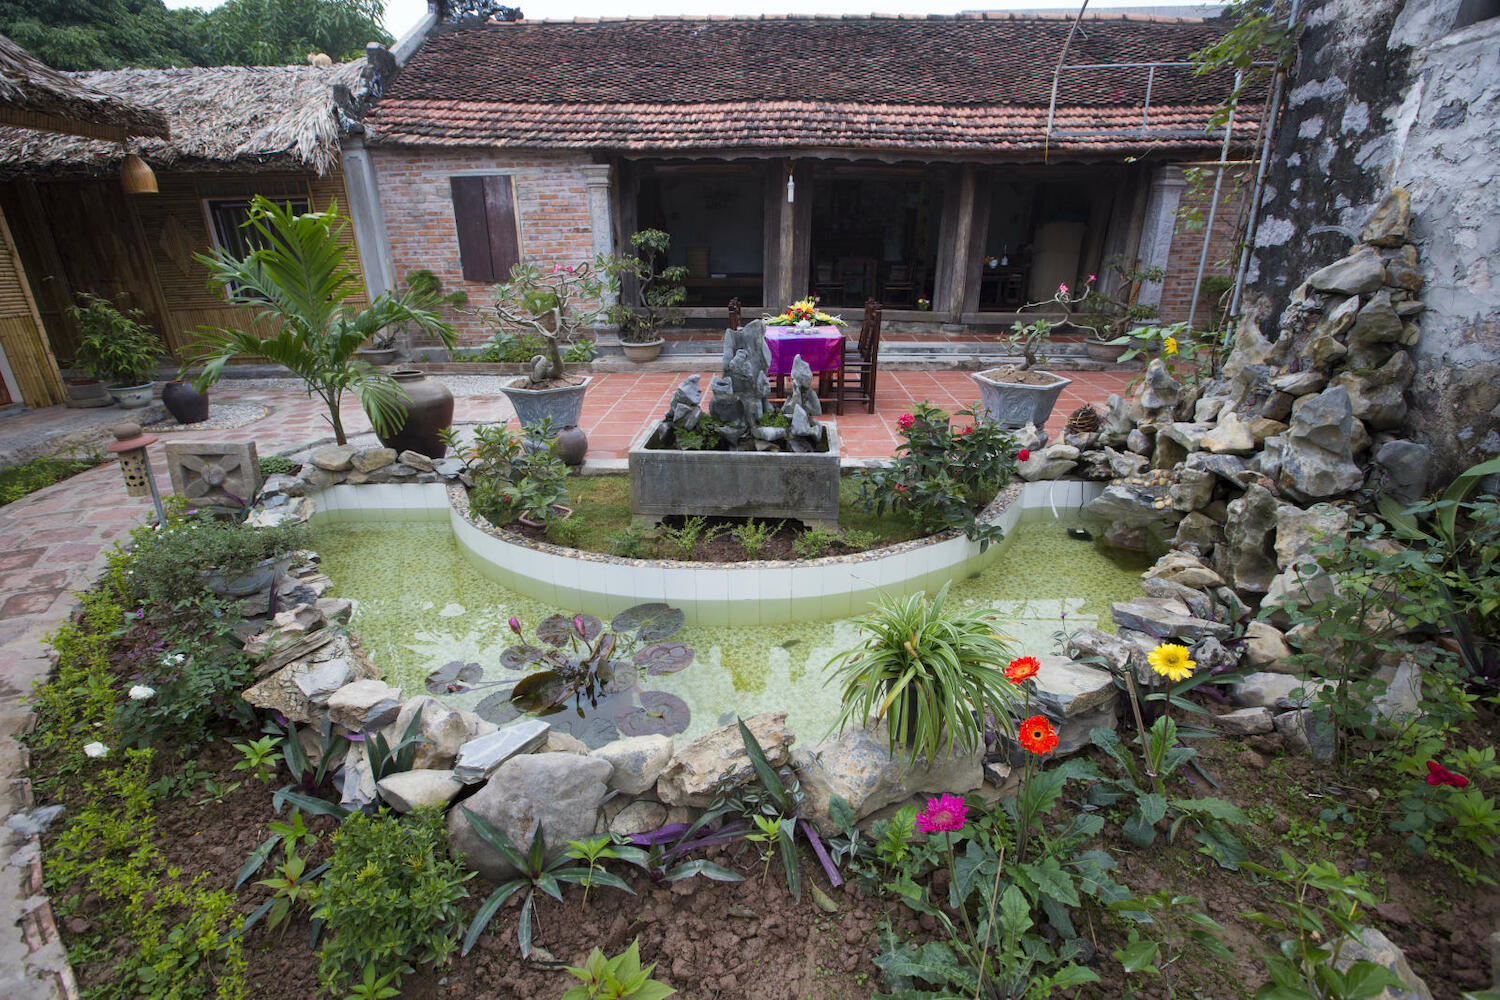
{"x":594,"y":728}
{"x":560,"y":630}
{"x":659,"y":713}
{"x":522,"y":657}
{"x":497,"y":708}
{"x":664,"y":657}
{"x":651,"y":622}
{"x":452,"y":677}
{"x":540,"y":692}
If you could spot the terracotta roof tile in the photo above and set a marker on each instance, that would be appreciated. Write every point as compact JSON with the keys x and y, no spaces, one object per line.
{"x":970,"y":84}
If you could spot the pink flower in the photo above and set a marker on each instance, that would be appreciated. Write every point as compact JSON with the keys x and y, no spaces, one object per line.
{"x":1437,"y":774}
{"x":515,"y":625}
{"x":946,"y":814}
{"x":578,"y":624}
{"x":905,"y":421}
{"x":557,"y":268}
{"x":1023,"y":455}
{"x":569,"y":268}
{"x":1062,"y":289}
{"x":965,"y":429}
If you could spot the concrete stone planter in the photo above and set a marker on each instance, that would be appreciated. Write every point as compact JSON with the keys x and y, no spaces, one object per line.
{"x":563,"y":404}
{"x":641,"y":353}
{"x":773,"y":484}
{"x":1011,"y":404}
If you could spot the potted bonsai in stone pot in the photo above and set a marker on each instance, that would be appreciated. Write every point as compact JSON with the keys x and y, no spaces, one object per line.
{"x":118,"y":348}
{"x":552,"y":305}
{"x":1016,"y":395}
{"x":658,"y":293}
{"x":1110,"y":318}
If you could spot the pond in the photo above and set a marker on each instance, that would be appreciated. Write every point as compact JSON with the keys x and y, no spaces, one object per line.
{"x":421,"y":605}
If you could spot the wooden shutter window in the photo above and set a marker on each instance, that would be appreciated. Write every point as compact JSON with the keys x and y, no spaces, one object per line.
{"x":489,"y":241}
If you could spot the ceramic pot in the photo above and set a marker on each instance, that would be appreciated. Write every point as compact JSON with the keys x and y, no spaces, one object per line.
{"x":86,"y":393}
{"x":562,"y":511}
{"x":1099,"y":351}
{"x":572,"y":445}
{"x":1014,"y":405}
{"x":642,"y":353}
{"x":376,"y":355}
{"x":428,"y":408}
{"x":563,"y":404}
{"x":186,"y":404}
{"x":132,"y":397}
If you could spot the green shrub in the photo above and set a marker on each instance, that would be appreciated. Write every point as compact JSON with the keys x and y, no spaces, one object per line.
{"x":813,"y":542}
{"x":39,"y":473}
{"x":390,"y":897}
{"x":174,"y":564}
{"x":115,"y":346}
{"x":511,"y":348}
{"x":277,"y":465}
{"x":516,"y":474}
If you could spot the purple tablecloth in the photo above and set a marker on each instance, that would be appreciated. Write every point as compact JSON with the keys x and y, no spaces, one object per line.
{"x":820,"y":347}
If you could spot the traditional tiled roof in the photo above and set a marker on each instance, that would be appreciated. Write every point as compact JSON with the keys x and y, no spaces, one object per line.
{"x":966,"y":84}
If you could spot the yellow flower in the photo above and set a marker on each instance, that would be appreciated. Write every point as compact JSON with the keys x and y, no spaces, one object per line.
{"x":1169,"y":345}
{"x":1171,"y":661}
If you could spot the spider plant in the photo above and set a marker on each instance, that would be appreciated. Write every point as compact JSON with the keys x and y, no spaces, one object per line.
{"x":935,"y":673}
{"x":300,"y":278}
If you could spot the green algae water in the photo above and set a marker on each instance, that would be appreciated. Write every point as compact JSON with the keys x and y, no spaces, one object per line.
{"x":420,"y":605}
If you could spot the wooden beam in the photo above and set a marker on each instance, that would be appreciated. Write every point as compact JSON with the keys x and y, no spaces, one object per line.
{"x":67,"y":126}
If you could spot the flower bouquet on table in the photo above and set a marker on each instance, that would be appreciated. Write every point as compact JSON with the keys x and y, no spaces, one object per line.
{"x":804,"y":313}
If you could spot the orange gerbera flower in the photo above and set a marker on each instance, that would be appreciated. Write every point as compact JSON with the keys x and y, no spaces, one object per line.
{"x":1022,"y":668}
{"x":1037,"y":735}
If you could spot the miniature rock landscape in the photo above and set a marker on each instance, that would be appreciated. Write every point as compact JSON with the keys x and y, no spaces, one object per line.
{"x":767,"y":672}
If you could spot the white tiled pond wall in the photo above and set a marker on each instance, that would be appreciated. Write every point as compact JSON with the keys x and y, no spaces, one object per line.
{"x":709,"y":593}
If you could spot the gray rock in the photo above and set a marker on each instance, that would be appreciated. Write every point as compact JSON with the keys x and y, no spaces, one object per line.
{"x":356,"y":781}
{"x":1185,"y":569}
{"x":1230,"y":436}
{"x":558,"y":792}
{"x":1230,"y":468}
{"x":1044,"y":465}
{"x":557,"y":742}
{"x":449,"y":468}
{"x":1379,"y":397}
{"x":335,"y":457}
{"x":1317,"y":459}
{"x":1401,"y":701}
{"x":1165,"y":619}
{"x":1077,"y":698}
{"x":1092,"y":642}
{"x":35,"y":822}
{"x":1207,"y":409}
{"x":1309,"y":730}
{"x":638,"y":761}
{"x":640,"y":816}
{"x":278,"y":692}
{"x":443,"y":730}
{"x":1373,"y":946}
{"x":336,"y":609}
{"x":1298,"y":384}
{"x":372,"y":459}
{"x":1360,"y":273}
{"x":1160,"y":391}
{"x":1188,"y":436}
{"x":318,"y":681}
{"x":693,"y":774}
{"x":1199,"y":604}
{"x":1406,"y":468}
{"x":1212,"y":655}
{"x":1246,"y":558}
{"x":1376,"y":322}
{"x":281,"y":484}
{"x":408,"y":790}
{"x":481,"y":757}
{"x":416,"y":460}
{"x":1266,"y":649}
{"x":1124,"y":464}
{"x":1029,"y":437}
{"x":1298,"y":531}
{"x":1246,"y":721}
{"x":1198,"y":530}
{"x":364,"y":704}
{"x":857,"y":765}
{"x":1118,"y":418}
{"x":1137,"y":441}
{"x":1134,"y":506}
{"x":1231,"y":608}
{"x":1260,"y":689}
{"x":1389,"y":221}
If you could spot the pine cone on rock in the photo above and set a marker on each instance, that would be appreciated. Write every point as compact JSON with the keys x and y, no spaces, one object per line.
{"x":1084,"y":420}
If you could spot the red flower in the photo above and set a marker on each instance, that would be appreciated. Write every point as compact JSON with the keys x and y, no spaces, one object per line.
{"x":1022,"y":668}
{"x":965,"y":429}
{"x":1037,"y":735}
{"x":1023,"y":455}
{"x":1437,"y":774}
{"x":905,"y":421}
{"x":900,"y":487}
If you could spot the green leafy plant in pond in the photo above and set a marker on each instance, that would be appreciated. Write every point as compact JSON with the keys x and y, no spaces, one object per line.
{"x":1312,"y":928}
{"x":390,"y":897}
{"x":943,"y":476}
{"x":259,"y":757}
{"x":516,"y":475}
{"x":814,"y":542}
{"x":301,"y":279}
{"x":115,"y":346}
{"x":932,"y":671}
{"x":536,"y":873}
{"x":754,"y":536}
{"x":618,"y":978}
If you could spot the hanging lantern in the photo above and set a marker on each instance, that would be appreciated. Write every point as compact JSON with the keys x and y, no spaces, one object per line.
{"x":136,"y":176}
{"x":135,"y":465}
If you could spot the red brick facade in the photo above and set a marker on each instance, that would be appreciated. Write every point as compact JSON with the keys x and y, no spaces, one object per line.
{"x":1187,"y":245}
{"x":416,"y":197}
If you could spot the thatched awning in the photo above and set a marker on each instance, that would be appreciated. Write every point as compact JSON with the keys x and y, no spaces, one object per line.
{"x":221,"y":118}
{"x":33,"y":95}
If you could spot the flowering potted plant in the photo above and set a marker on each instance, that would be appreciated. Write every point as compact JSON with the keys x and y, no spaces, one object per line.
{"x":804,"y":313}
{"x":1110,"y":319}
{"x":658,"y":294}
{"x":1017,"y":395}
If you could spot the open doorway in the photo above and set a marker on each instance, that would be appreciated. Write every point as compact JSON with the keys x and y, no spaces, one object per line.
{"x":715,"y":214}
{"x":874,"y":234}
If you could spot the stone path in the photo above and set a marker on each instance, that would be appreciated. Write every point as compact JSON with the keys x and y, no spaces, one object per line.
{"x":54,"y":543}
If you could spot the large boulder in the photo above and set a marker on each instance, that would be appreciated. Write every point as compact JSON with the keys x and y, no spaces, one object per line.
{"x":364,"y":704}
{"x":1317,"y":456}
{"x":693,"y":775}
{"x":443,"y":730}
{"x":1299,"y":531}
{"x":1373,"y":946}
{"x":558,"y":792}
{"x":1077,"y":698}
{"x":638,"y":761}
{"x":857,"y":766}
{"x":1360,"y":273}
{"x":1406,"y":469}
{"x":1134,"y":514}
{"x":1246,"y":558}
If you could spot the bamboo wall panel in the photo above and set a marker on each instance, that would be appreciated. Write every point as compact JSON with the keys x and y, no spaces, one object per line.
{"x":95,"y":237}
{"x":30,"y":361}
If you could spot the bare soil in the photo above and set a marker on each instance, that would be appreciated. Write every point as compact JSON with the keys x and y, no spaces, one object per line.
{"x":552,"y":383}
{"x":1019,"y":376}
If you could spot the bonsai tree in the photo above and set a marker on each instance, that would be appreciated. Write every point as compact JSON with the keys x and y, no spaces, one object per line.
{"x":299,"y":280}
{"x":658,"y":291}
{"x":553,"y":305}
{"x":117,"y":347}
{"x":1111,"y":317}
{"x":1030,"y":337}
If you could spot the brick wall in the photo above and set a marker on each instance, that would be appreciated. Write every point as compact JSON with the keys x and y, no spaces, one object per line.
{"x":1187,"y":244}
{"x":551,"y":201}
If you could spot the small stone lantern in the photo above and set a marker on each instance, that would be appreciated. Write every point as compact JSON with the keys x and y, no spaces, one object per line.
{"x":130,"y":445}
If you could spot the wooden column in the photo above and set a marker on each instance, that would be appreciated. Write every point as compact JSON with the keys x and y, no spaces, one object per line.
{"x":957,"y":285}
{"x":788,"y":233}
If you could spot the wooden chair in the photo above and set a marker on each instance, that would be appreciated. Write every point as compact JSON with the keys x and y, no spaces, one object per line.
{"x":855,"y":380}
{"x":734,"y":313}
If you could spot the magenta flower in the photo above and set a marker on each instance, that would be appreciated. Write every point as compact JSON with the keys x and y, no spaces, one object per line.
{"x":578,"y":625}
{"x":515,"y":625}
{"x":905,"y":421}
{"x":1062,"y":290}
{"x":1091,"y":279}
{"x":946,"y":814}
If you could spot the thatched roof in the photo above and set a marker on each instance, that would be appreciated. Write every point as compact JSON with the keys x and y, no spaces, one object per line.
{"x":221,"y":117}
{"x":33,"y":95}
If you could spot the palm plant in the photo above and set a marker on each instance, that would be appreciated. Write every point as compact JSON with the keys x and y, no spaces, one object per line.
{"x":935,"y":673}
{"x":300,"y":279}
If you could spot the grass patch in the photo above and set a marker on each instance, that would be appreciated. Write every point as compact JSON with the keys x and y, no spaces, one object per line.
{"x":39,"y":473}
{"x":601,"y":512}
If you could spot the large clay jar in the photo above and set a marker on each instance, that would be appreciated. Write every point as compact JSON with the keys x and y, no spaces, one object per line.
{"x":429,"y":409}
{"x":186,"y":404}
{"x":572,"y":445}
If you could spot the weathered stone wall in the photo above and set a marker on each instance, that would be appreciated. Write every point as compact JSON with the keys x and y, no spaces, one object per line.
{"x":1387,"y":93}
